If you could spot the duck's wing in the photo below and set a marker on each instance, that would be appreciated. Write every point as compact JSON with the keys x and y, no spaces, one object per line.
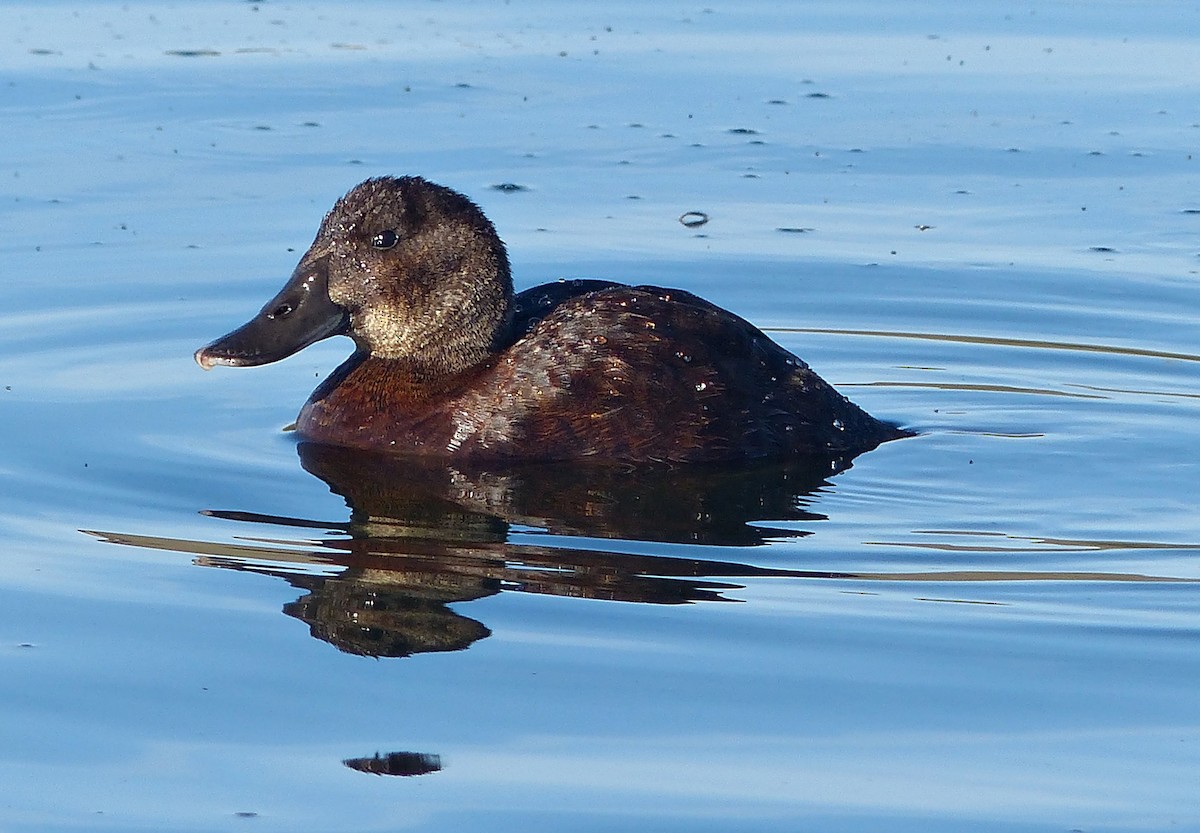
{"x":644,"y":373}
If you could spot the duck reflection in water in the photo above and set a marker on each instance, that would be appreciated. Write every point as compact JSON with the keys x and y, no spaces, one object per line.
{"x":423,"y":535}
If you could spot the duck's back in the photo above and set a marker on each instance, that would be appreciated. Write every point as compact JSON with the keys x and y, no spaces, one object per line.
{"x":651,"y":373}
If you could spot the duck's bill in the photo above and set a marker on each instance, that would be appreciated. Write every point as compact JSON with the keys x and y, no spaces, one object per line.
{"x":298,"y":316}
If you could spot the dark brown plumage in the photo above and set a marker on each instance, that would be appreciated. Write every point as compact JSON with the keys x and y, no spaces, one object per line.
{"x":449,"y":364}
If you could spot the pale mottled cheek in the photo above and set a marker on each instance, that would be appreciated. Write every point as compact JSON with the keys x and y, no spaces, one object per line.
{"x":351,"y":284}
{"x":378,"y":328}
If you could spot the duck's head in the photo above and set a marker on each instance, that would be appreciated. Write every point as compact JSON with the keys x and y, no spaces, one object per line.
{"x":410,"y":270}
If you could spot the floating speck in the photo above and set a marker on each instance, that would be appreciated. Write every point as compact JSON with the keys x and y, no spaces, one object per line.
{"x":818,"y":95}
{"x":192,"y":53}
{"x":693,"y":219}
{"x":794,"y":229}
{"x":509,"y":187}
{"x":397,"y":763}
{"x":743,"y":131}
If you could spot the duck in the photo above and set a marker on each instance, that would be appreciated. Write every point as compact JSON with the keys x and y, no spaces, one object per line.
{"x":448,"y":362}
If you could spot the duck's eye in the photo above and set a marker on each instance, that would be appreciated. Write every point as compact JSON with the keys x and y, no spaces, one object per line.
{"x":385,"y":239}
{"x":281,"y":311}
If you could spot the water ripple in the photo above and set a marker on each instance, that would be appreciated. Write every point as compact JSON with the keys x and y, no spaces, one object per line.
{"x":998,"y":341}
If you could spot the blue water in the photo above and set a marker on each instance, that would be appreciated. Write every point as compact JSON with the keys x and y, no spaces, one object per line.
{"x":993,"y":240}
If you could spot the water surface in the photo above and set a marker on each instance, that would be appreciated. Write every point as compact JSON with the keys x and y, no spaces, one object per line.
{"x":978,"y":222}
